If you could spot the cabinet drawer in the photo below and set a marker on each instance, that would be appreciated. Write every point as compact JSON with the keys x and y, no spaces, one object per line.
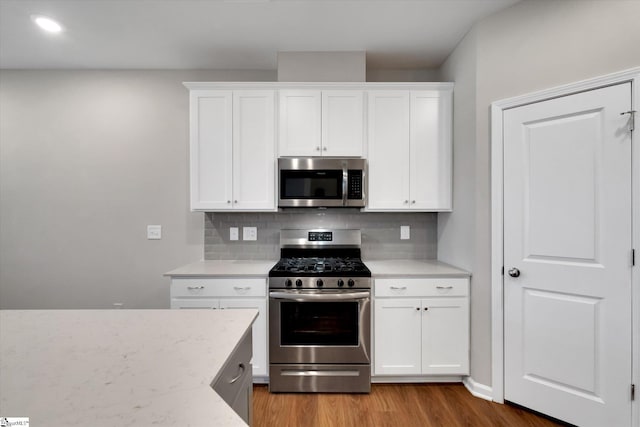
{"x":208,"y":287}
{"x":231,"y":379}
{"x":426,"y":287}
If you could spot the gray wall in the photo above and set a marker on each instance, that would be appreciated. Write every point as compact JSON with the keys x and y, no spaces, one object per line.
{"x":530,"y":46}
{"x":87,"y":160}
{"x":380,"y":232}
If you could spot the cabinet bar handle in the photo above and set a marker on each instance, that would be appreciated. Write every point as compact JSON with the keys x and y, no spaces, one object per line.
{"x":242,"y":288}
{"x":241,"y":371}
{"x":444,"y":287}
{"x":195,"y":288}
{"x":398,"y":288}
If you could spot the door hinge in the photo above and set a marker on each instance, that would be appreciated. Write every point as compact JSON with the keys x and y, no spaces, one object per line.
{"x":633,"y":392}
{"x":632,"y":118}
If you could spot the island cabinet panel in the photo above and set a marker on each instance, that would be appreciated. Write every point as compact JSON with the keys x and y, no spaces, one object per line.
{"x":421,"y":327}
{"x":234,"y":382}
{"x":228,"y":294}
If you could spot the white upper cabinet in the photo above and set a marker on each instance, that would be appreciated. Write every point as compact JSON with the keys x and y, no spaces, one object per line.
{"x":342,"y":123}
{"x":254,"y":155}
{"x":321,"y":123}
{"x":388,"y":155}
{"x":232,"y":150}
{"x":299,"y":132}
{"x":409,"y":150}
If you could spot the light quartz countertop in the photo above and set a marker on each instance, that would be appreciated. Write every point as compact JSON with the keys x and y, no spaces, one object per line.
{"x":118,"y":367}
{"x":421,"y":268}
{"x":225,"y":268}
{"x":260,"y":268}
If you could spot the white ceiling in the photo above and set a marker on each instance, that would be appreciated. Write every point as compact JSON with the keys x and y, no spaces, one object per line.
{"x":233,"y":34}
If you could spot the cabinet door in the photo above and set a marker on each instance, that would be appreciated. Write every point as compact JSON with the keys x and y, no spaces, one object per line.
{"x":259,"y":332}
{"x":430,"y":150}
{"x":243,"y":403}
{"x":299,"y":132}
{"x":342,"y":123}
{"x":397,"y":337}
{"x":445,"y":330}
{"x":195,"y":303}
{"x":253,"y":150}
{"x":210,"y":149}
{"x":388,"y":153}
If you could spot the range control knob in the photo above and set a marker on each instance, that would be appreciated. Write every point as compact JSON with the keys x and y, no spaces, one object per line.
{"x":287,"y":283}
{"x":298,"y":283}
{"x":340,"y":283}
{"x":351,"y":283}
{"x":319,"y":283}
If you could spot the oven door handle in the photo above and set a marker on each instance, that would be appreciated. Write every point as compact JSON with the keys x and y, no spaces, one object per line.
{"x":296,"y":296}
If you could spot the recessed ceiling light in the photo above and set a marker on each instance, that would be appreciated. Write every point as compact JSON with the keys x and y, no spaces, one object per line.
{"x":47,"y":24}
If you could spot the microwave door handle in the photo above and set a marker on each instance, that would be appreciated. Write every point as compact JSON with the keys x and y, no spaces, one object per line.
{"x":295,"y":296}
{"x":345,"y":179}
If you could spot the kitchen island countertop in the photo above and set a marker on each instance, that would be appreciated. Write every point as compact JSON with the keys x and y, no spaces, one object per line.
{"x":410,"y":267}
{"x":118,"y":367}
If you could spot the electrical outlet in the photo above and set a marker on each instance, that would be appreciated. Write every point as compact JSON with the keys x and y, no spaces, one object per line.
{"x":405,"y":232}
{"x":249,"y":233}
{"x":154,"y":232}
{"x":233,"y":233}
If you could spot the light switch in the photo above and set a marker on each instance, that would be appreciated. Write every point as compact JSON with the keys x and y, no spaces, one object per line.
{"x":154,"y":232}
{"x":249,"y":233}
{"x":233,"y":233}
{"x":405,"y":232}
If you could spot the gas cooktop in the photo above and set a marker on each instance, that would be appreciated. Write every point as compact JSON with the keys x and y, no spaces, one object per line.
{"x":320,"y":266}
{"x":320,"y":258}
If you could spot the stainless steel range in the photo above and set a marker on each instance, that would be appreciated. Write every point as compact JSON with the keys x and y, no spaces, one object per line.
{"x":320,"y":314}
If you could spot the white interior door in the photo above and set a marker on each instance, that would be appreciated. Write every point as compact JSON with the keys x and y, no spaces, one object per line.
{"x":567,"y":231}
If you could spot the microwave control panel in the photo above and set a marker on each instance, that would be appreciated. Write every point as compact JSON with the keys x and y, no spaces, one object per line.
{"x":354,"y":186}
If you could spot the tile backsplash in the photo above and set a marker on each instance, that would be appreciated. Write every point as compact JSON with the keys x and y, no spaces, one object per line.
{"x":380,"y":232}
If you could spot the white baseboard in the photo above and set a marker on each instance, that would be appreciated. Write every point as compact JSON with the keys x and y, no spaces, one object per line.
{"x":382,"y":379}
{"x":478,"y":390}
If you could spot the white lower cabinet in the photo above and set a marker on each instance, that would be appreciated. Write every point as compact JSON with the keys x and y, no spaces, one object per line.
{"x":228,"y":294}
{"x":421,"y":327}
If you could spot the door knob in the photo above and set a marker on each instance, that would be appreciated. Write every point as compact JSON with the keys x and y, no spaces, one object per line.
{"x":514,"y":272}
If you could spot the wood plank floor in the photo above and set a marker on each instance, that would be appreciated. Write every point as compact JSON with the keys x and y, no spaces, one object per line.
{"x":405,"y":405}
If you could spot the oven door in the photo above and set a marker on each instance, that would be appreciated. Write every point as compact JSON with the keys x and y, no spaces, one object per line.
{"x":319,"y":326}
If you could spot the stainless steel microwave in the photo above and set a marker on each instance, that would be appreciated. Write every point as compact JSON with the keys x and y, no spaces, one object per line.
{"x":322,"y":182}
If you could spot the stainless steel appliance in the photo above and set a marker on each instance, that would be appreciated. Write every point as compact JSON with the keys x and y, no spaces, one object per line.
{"x":320,"y":314}
{"x":322,"y":182}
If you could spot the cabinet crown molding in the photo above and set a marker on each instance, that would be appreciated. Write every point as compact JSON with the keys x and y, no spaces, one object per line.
{"x":319,"y":85}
